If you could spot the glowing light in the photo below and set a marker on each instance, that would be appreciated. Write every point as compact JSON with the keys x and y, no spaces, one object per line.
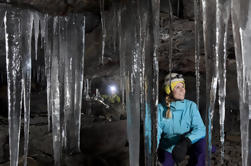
{"x":113,"y":89}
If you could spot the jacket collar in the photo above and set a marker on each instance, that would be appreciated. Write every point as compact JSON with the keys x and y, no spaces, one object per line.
{"x":180,"y":104}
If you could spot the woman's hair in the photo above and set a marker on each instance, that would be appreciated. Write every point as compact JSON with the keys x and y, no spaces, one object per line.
{"x":168,"y":101}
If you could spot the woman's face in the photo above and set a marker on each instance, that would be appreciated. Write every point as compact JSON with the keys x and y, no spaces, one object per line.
{"x":179,"y":91}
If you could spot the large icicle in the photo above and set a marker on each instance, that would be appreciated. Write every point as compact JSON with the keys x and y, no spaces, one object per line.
{"x":241,"y":31}
{"x":74,"y":59}
{"x":222,"y":19}
{"x":209,"y":27}
{"x":14,"y":76}
{"x":47,"y":60}
{"x":26,"y":26}
{"x":197,"y":30}
{"x":64,"y":68}
{"x":209,"y":24}
{"x":132,"y":76}
{"x":141,"y":82}
{"x":55,"y":96}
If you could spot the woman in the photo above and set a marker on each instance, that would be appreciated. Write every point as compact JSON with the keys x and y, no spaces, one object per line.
{"x":181,"y":130}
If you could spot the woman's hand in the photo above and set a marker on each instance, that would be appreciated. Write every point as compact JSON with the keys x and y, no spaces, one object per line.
{"x":180,"y":150}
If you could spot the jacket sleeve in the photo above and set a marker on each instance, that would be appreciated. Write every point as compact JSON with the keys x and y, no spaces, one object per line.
{"x":198,"y":129}
{"x":159,"y":128}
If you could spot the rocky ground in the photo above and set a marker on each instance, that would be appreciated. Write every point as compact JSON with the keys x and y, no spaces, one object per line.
{"x":107,"y":144}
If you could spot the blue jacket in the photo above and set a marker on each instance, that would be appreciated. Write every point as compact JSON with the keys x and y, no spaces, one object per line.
{"x":186,"y":120}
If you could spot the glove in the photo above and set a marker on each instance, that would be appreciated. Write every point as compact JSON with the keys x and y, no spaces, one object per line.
{"x":180,"y":150}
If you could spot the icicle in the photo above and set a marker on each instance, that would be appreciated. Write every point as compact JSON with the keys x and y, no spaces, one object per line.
{"x":55,"y":96}
{"x":103,"y":30}
{"x":153,"y":74}
{"x":43,"y":24}
{"x":210,"y":115}
{"x":249,"y":106}
{"x":62,"y":54}
{"x":26,"y":26}
{"x":73,"y":31}
{"x":122,"y":40}
{"x":36,"y":30}
{"x":241,"y":31}
{"x":130,"y":54}
{"x":2,"y":14}
{"x":170,"y":36}
{"x":197,"y":48}
{"x":222,"y":18}
{"x":136,"y":52}
{"x":47,"y":60}
{"x":14,"y":76}
{"x":209,"y":24}
{"x":114,"y":26}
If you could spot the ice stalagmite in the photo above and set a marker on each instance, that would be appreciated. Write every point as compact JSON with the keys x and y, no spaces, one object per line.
{"x":222,"y":20}
{"x":26,"y":27}
{"x":197,"y":25}
{"x":14,"y":76}
{"x":241,"y":31}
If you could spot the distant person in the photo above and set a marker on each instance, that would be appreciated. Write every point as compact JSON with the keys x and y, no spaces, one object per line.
{"x":181,"y":130}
